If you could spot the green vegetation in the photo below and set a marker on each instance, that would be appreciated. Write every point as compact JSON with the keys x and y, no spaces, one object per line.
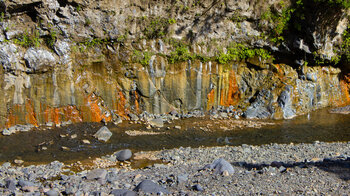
{"x":142,"y":57}
{"x":346,"y":45}
{"x":155,"y":28}
{"x":52,"y":38}
{"x":240,"y":52}
{"x":28,"y":40}
{"x":180,"y":54}
{"x":171,"y":21}
{"x":280,"y":21}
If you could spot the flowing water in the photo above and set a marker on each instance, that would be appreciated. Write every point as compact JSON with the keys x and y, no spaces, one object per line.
{"x":29,"y":146}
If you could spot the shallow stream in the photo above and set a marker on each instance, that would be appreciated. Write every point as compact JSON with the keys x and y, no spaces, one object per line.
{"x":45,"y":145}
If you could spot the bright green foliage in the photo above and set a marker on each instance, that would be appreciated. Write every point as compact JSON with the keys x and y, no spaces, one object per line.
{"x":142,"y":58}
{"x":171,"y":21}
{"x":180,"y":54}
{"x":239,"y":52}
{"x":52,"y":38}
{"x":29,"y":40}
{"x":156,"y":27}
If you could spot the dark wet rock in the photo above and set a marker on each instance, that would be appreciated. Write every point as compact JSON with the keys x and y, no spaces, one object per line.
{"x":122,"y":192}
{"x":123,"y":155}
{"x":220,"y":166}
{"x":157,"y":122}
{"x":148,"y":186}
{"x":197,"y":187}
{"x":103,"y":134}
{"x":97,"y":174}
{"x":52,"y":193}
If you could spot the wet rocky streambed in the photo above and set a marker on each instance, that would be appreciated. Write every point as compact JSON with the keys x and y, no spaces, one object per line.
{"x":305,"y":155}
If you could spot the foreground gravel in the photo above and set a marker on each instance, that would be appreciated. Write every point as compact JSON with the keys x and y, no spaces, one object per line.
{"x":291,"y":169}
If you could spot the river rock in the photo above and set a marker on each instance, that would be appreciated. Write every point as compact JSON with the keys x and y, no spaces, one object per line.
{"x":123,"y":155}
{"x":52,"y":193}
{"x":198,"y":187}
{"x":148,"y":186}
{"x":122,"y":192}
{"x":103,"y":134}
{"x":341,"y":110}
{"x":17,"y":128}
{"x":97,"y":174}
{"x":220,"y":166}
{"x":157,"y":122}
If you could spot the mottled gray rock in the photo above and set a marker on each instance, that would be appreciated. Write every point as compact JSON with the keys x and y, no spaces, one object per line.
{"x":220,"y":166}
{"x":133,"y":117}
{"x":39,"y":60}
{"x":198,"y":187}
{"x":9,"y":57}
{"x":24,"y":183}
{"x":17,"y":128}
{"x":257,"y":111}
{"x":148,"y":186}
{"x":122,"y":192}
{"x":123,"y":155}
{"x":62,"y":48}
{"x":157,"y":122}
{"x":10,"y":184}
{"x":97,"y":174}
{"x":341,"y":110}
{"x":182,"y":178}
{"x":52,"y":193}
{"x":103,"y":134}
{"x":285,"y":102}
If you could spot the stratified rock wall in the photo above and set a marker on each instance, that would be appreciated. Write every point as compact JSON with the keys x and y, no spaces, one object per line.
{"x":71,"y":61}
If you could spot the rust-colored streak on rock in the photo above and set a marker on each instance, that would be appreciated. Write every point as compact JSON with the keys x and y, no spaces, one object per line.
{"x":121,"y":101}
{"x":137,"y":107}
{"x":210,"y":99}
{"x":71,"y":113}
{"x":232,"y":96}
{"x":345,"y":87}
{"x":95,"y":107}
{"x":11,"y":120}
{"x":30,"y":114}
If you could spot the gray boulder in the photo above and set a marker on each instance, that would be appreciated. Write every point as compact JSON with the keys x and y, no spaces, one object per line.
{"x":220,"y":166}
{"x":103,"y":134}
{"x":123,"y":155}
{"x":39,"y":60}
{"x":52,"y":193}
{"x":122,"y":192}
{"x":148,"y":186}
{"x":157,"y":122}
{"x":97,"y":174}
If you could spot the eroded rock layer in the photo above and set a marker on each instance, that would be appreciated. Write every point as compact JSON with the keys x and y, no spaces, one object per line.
{"x":70,"y":61}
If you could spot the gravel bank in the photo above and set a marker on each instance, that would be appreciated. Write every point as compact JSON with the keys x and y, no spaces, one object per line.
{"x":318,"y":168}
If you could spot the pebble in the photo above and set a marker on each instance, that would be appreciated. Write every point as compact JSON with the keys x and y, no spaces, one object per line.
{"x":86,"y":141}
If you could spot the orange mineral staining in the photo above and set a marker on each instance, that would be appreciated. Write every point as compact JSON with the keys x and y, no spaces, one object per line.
{"x":231,"y":95}
{"x":211,"y":99}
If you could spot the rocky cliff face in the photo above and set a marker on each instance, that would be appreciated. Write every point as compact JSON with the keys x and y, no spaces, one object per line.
{"x":74,"y":60}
